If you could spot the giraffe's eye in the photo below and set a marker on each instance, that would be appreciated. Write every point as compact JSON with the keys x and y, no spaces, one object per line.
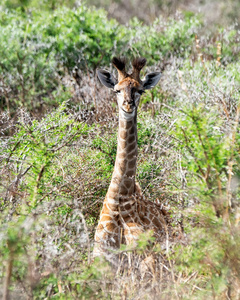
{"x":117,"y":91}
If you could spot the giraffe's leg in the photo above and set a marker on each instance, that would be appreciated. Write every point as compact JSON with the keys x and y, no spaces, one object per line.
{"x":107,"y":236}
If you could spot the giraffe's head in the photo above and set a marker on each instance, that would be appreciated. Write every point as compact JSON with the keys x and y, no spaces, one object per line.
{"x":128,"y":87}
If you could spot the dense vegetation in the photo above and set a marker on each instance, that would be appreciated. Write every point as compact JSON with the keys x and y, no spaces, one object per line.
{"x":58,"y":146}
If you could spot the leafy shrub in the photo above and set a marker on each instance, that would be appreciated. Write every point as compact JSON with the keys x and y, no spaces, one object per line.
{"x":208,"y":138}
{"x":39,"y":49}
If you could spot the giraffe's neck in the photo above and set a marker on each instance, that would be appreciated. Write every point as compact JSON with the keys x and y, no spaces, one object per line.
{"x":122,"y":185}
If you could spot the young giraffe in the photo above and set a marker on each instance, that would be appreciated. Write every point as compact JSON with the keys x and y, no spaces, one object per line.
{"x":125,"y":213}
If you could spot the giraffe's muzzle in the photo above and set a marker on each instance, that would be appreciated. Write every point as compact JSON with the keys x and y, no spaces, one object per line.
{"x":129,"y":107}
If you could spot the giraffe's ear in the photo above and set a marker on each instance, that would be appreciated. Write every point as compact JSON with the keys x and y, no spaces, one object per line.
{"x":106,"y":78}
{"x":151,"y":80}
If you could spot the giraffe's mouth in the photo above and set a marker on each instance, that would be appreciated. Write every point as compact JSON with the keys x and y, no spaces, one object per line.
{"x":128,"y":108}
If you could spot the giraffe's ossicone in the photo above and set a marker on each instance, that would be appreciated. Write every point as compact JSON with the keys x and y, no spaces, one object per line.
{"x":125,"y":213}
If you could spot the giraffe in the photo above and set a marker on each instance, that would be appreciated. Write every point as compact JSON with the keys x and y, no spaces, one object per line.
{"x":125,"y":213}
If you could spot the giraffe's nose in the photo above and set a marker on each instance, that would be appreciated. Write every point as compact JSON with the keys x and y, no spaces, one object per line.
{"x":130,"y":102}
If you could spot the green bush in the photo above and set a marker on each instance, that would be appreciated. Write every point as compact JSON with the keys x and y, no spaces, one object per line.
{"x":39,"y":49}
{"x":208,"y":139}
